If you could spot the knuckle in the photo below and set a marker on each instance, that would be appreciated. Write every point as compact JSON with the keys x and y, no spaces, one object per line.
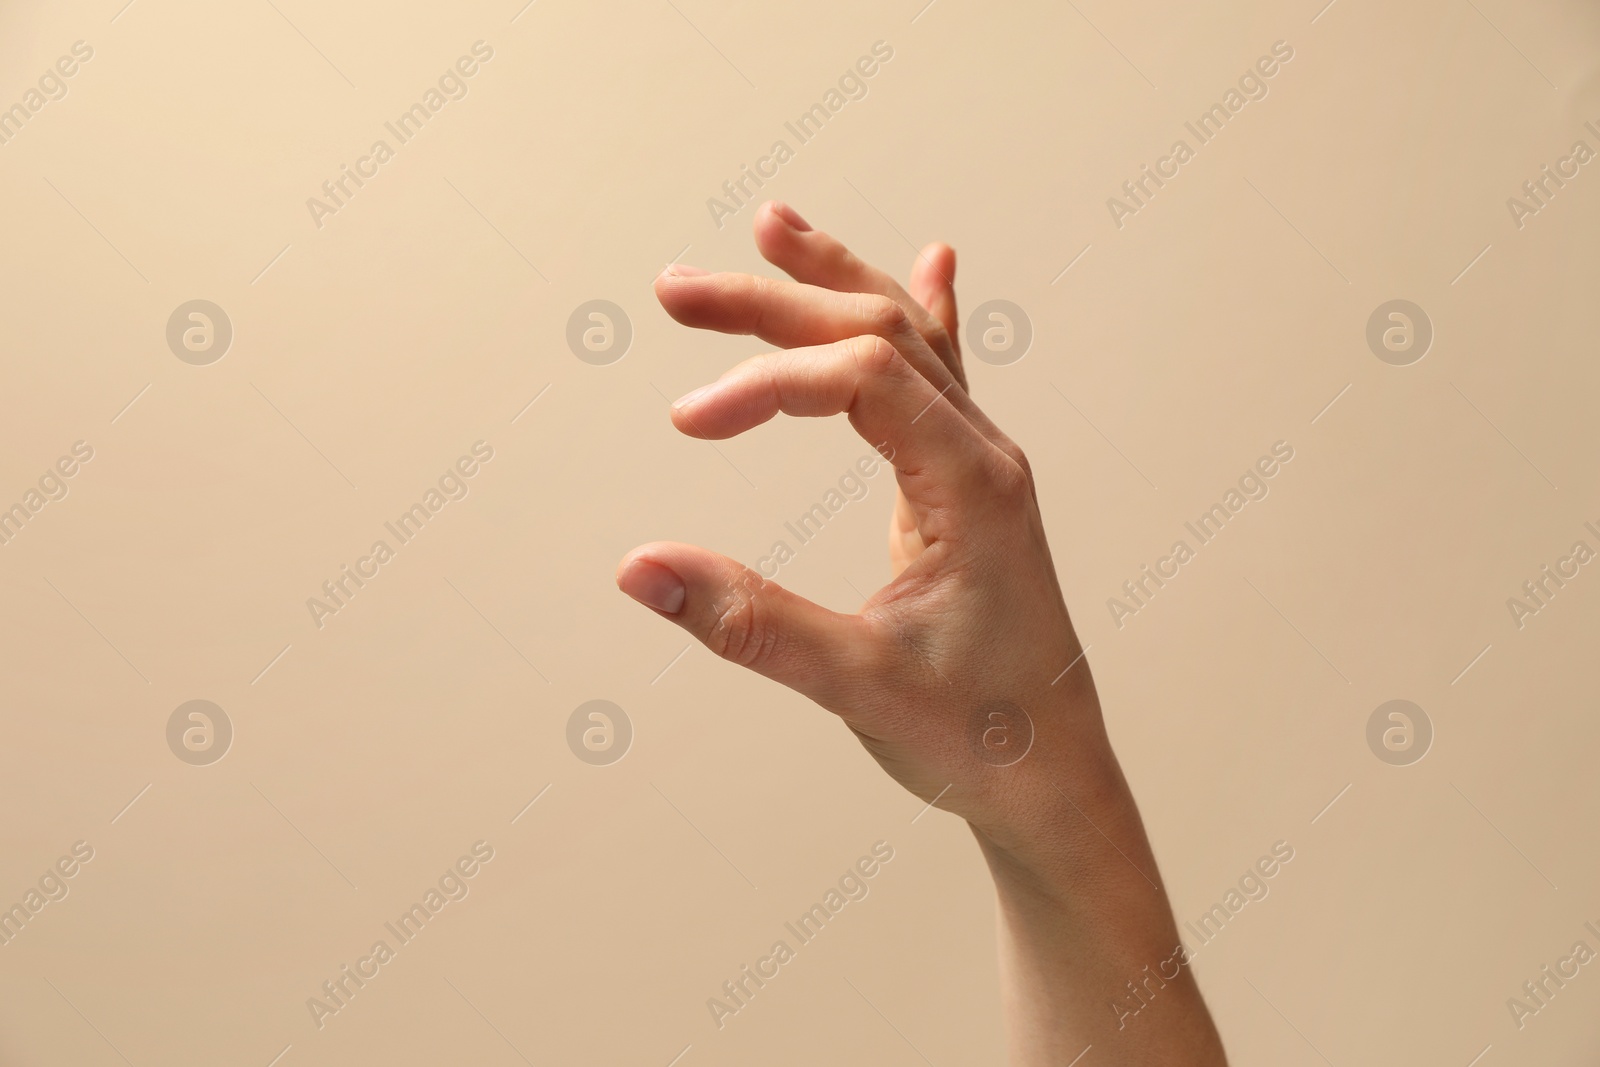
{"x":1013,"y":452}
{"x":1012,"y":479}
{"x":1021,"y":460}
{"x":758,"y":295}
{"x":886,"y":315}
{"x":875,"y":357}
{"x":742,"y":632}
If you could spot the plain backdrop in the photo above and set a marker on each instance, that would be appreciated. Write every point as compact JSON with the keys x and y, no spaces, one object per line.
{"x":1172,"y":346}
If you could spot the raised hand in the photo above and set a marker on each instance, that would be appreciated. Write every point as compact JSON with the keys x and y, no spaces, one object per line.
{"x":962,"y":675}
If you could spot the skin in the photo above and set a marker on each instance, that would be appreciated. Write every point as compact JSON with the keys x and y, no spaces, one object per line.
{"x":973,"y":623}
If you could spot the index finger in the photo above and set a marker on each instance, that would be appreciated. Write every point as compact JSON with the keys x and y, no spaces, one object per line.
{"x":793,"y":314}
{"x":817,"y":258}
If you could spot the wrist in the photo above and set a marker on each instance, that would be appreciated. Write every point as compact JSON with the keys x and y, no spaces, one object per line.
{"x":1087,"y":937}
{"x":1047,"y":813}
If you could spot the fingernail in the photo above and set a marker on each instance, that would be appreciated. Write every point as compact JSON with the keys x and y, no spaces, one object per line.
{"x":654,"y":586}
{"x":790,"y":215}
{"x":691,"y":396}
{"x":684,"y":270}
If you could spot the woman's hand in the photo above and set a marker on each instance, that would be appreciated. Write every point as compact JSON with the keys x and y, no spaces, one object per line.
{"x":973,"y":616}
{"x":963,"y":676}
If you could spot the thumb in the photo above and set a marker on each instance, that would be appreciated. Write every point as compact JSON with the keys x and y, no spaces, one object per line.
{"x":756,"y":623}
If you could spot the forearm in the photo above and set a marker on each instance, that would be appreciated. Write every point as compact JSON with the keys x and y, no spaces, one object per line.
{"x":1089,"y":952}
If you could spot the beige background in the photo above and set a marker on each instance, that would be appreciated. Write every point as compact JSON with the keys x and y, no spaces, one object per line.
{"x":370,"y":353}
